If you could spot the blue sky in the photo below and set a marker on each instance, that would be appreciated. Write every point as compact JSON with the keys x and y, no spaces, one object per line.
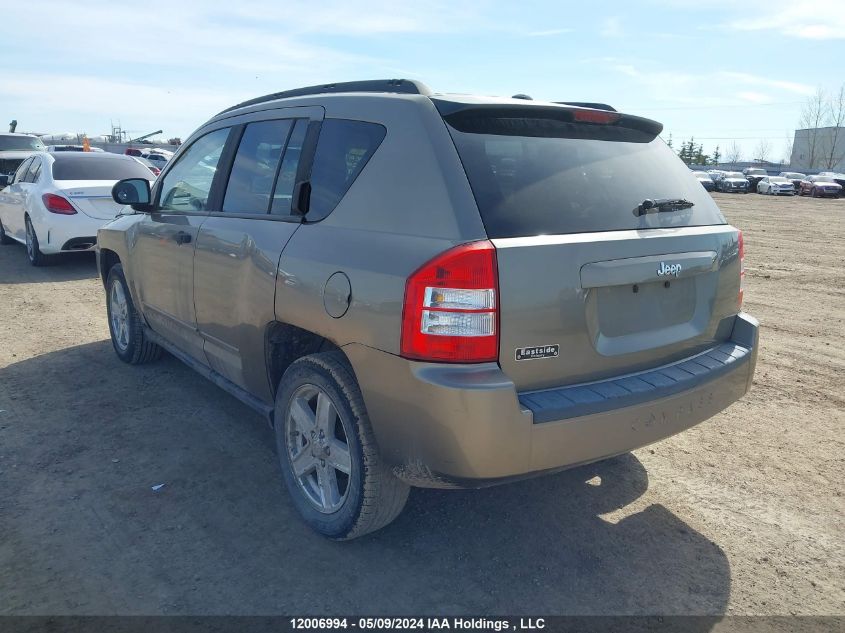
{"x":718,"y":70}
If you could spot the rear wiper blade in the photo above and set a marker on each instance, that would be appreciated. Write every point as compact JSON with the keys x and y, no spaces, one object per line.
{"x":662,"y":204}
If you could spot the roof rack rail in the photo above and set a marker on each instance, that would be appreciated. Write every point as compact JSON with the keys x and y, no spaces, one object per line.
{"x":588,"y":104}
{"x":402,"y":86}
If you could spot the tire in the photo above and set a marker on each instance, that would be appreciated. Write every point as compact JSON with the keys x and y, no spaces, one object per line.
{"x":33,"y":248}
{"x":125,"y":324}
{"x":333,"y":503}
{"x":813,"y":193}
{"x":5,"y":240}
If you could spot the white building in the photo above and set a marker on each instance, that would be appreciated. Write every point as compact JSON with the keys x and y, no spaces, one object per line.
{"x":819,"y":149}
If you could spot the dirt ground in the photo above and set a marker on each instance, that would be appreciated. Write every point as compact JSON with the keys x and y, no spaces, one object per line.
{"x":740,"y":515}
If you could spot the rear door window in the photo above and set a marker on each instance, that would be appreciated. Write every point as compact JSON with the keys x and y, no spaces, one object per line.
{"x":343,"y":150}
{"x":287,"y":174}
{"x":536,"y":176}
{"x":255,"y":167}
{"x":34,"y":170}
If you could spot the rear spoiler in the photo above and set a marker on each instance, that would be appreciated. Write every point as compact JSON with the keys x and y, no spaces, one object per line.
{"x":564,"y":117}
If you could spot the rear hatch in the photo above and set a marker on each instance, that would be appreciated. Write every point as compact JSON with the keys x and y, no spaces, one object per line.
{"x":594,"y":281}
{"x":93,"y":198}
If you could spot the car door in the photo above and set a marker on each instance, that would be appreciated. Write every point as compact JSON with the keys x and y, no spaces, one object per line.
{"x":162,"y":257}
{"x":11,"y":202}
{"x":239,"y":245}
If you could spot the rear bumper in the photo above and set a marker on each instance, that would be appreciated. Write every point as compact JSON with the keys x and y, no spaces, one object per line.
{"x":66,"y":233}
{"x":466,"y":426}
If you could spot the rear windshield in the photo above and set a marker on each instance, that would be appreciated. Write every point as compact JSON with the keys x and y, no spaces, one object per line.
{"x":20,"y":143}
{"x":73,"y":166}
{"x":534,"y":177}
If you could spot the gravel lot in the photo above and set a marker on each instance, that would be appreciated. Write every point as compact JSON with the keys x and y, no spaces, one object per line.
{"x":741,"y":515}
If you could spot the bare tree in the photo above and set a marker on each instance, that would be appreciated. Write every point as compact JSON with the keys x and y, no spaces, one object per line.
{"x":733,"y":153}
{"x":764,"y":148}
{"x":836,"y":119}
{"x":812,"y":118}
{"x":787,"y":148}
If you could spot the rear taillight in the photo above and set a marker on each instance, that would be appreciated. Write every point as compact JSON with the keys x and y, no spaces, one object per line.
{"x":451,"y":307}
{"x":57,"y":204}
{"x":741,"y":268}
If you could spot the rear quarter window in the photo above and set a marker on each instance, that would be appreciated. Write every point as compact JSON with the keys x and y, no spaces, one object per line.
{"x":343,"y":150}
{"x":540,"y":177}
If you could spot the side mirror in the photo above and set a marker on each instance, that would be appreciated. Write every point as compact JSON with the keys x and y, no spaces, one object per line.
{"x":133,"y":191}
{"x":4,"y":180}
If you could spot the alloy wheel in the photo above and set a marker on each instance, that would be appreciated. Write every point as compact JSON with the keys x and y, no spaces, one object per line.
{"x":318,"y":448}
{"x":119,"y":309}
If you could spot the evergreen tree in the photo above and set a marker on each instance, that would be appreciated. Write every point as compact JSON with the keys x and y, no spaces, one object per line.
{"x":717,"y":155}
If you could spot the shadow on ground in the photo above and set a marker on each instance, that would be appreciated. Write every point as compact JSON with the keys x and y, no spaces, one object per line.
{"x":16,"y":269}
{"x":83,"y":438}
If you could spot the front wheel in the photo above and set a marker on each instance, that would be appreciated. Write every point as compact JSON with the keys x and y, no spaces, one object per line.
{"x":330,"y":462}
{"x":125,"y":324}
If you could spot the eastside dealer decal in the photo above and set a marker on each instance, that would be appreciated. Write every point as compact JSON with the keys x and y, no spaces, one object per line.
{"x":538,"y":351}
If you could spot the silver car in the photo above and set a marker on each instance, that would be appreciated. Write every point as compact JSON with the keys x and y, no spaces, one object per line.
{"x":776,"y":186}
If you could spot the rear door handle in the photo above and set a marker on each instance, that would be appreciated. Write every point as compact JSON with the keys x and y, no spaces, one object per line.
{"x":182,"y":238}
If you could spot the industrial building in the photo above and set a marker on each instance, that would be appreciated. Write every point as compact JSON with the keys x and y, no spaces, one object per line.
{"x":819,"y":149}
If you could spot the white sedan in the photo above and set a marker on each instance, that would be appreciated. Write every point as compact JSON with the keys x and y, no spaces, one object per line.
{"x":54,"y":203}
{"x":776,"y":186}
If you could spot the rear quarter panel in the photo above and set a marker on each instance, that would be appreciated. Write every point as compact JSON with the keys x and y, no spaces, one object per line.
{"x":411,"y":202}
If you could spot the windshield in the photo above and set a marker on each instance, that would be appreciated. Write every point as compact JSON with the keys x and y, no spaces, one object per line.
{"x":73,"y":166}
{"x":794,"y":175}
{"x":733,"y":174}
{"x":532,"y":178}
{"x":779,"y":180}
{"x":20,"y":143}
{"x":756,"y":172}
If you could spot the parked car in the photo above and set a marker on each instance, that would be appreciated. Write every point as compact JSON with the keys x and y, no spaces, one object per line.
{"x":15,"y":148}
{"x":838,"y":178}
{"x":356,"y":267}
{"x":732,"y":182}
{"x":705,"y":180}
{"x":159,"y":160}
{"x":754,"y":175}
{"x":56,"y":202}
{"x":794,"y":177}
{"x":775,"y":186}
{"x":715,"y":173}
{"x":65,"y":148}
{"x":819,"y":187}
{"x":73,"y":148}
{"x":155,"y":170}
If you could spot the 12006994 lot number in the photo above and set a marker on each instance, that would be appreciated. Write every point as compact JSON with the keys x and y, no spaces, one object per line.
{"x":302,"y":624}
